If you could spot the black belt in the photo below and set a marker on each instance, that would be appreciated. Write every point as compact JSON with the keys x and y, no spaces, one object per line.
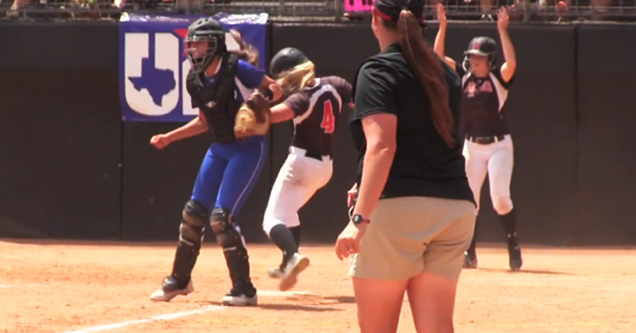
{"x":310,"y":153}
{"x":485,"y":140}
{"x":316,"y":155}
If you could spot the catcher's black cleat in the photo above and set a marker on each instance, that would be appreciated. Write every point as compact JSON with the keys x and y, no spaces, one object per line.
{"x":243,"y":295}
{"x":515,"y":257}
{"x":170,"y":289}
{"x":470,"y":260}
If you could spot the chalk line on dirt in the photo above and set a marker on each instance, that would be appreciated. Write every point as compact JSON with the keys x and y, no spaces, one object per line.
{"x":168,"y":316}
{"x":176,"y":315}
{"x":282,"y":293}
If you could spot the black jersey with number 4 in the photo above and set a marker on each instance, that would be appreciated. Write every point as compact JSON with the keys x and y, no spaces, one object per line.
{"x":317,"y":111}
{"x":483,"y":103}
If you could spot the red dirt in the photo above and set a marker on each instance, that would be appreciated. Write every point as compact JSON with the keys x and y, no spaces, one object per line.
{"x":59,"y":287}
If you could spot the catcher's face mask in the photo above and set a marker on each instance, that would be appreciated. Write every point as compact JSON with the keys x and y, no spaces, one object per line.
{"x":205,"y":39}
{"x":201,"y":52}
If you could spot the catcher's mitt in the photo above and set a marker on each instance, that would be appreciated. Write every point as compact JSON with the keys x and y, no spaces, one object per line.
{"x":253,"y":118}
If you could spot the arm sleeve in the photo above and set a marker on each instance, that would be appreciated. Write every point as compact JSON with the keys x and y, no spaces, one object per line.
{"x":344,"y":90}
{"x":497,"y":73}
{"x":298,"y":103}
{"x":375,"y":91}
{"x":250,"y":76}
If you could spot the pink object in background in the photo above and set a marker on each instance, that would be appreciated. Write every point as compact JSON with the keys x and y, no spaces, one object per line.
{"x":358,"y":5}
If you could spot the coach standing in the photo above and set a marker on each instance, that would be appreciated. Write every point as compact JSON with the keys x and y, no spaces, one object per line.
{"x":414,"y":213}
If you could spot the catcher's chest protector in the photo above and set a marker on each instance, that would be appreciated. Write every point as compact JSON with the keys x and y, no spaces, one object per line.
{"x":217,"y":102}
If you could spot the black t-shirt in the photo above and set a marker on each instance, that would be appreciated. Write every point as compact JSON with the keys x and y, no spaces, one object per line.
{"x":423,"y":164}
{"x":484,"y":101}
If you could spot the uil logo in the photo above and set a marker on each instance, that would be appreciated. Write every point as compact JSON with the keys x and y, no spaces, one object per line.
{"x":153,"y":75}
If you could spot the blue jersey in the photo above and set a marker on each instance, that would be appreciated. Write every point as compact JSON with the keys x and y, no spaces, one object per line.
{"x":247,"y":79}
{"x":230,"y":168}
{"x":220,"y":95}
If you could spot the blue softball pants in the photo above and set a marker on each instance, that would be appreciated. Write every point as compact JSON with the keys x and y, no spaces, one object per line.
{"x":229,"y":172}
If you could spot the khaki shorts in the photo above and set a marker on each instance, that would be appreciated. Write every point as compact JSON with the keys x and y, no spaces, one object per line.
{"x":411,"y":235}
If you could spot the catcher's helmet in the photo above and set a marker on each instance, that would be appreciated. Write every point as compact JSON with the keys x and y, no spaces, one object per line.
{"x":285,"y":60}
{"x":210,"y":30}
{"x":484,"y":46}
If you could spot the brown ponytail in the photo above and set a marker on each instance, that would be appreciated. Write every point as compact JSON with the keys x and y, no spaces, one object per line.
{"x":246,"y":52}
{"x":429,"y":72}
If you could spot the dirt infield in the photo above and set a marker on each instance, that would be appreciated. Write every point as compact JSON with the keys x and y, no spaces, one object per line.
{"x":83,"y":287}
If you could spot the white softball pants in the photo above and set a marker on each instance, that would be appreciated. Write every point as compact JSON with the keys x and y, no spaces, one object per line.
{"x":495,"y":159}
{"x":298,"y":180}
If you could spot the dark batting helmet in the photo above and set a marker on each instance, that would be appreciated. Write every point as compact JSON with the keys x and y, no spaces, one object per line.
{"x":484,"y":46}
{"x":285,"y":60}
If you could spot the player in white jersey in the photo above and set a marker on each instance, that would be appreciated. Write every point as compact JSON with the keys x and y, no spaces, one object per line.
{"x":488,"y":148}
{"x":315,"y":106}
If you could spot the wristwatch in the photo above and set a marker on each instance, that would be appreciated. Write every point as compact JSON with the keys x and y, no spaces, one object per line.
{"x":357,"y":219}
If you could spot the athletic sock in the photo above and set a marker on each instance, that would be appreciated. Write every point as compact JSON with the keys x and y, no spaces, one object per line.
{"x":284,"y":239}
{"x":509,"y":224}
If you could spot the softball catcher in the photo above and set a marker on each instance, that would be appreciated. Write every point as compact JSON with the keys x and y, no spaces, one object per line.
{"x":219,"y":83}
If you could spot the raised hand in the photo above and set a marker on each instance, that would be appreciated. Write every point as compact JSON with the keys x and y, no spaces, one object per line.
{"x":503,"y":19}
{"x":441,"y":15}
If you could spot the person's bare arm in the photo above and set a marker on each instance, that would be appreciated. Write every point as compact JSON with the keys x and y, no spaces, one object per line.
{"x":194,"y":127}
{"x":440,"y":39}
{"x":510,"y":65}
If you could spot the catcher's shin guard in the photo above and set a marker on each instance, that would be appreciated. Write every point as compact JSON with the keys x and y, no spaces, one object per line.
{"x":191,"y":231}
{"x":233,"y":248}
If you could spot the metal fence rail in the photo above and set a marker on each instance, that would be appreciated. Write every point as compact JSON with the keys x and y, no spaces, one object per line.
{"x":521,"y":10}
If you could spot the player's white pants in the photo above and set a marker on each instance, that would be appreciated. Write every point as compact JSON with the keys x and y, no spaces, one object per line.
{"x":298,"y":179}
{"x":496,"y":159}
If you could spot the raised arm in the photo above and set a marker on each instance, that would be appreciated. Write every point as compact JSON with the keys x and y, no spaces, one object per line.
{"x":510,"y":65}
{"x":440,"y":39}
